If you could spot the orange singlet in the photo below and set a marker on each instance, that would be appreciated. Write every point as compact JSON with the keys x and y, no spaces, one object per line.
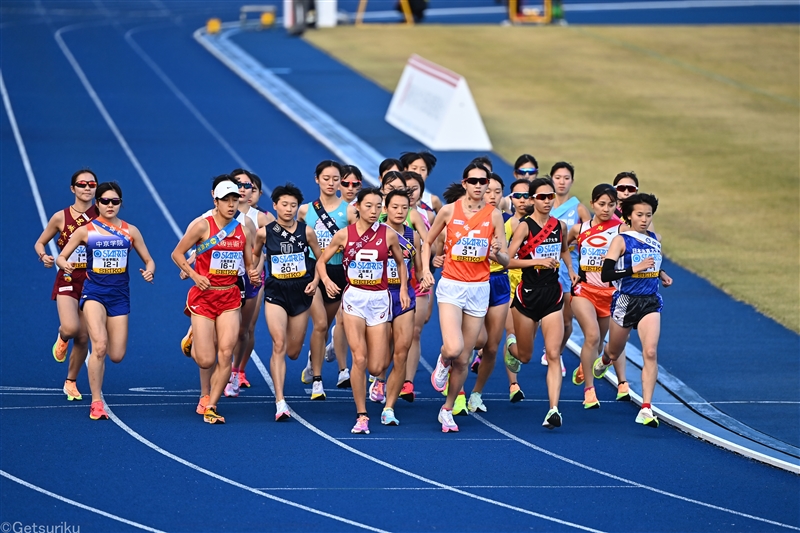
{"x":467,"y":242}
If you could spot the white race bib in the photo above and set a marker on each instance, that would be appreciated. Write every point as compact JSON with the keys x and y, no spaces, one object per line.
{"x":548,"y":251}
{"x":392,"y":272}
{"x":288,"y":266}
{"x":323,"y":235}
{"x":365,"y":272}
{"x":470,"y":249}
{"x":225,"y":263}
{"x":639,"y":256}
{"x":110,"y":261}
{"x":78,"y":257}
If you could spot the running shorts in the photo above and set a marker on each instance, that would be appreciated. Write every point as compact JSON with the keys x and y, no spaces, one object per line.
{"x":471,"y":297}
{"x":250,"y":290}
{"x":116,"y":300}
{"x":397,"y":309}
{"x":599,"y":296}
{"x":336,"y":273}
{"x":538,"y":302}
{"x":514,"y":278}
{"x":627,"y":310}
{"x":72,"y":288}
{"x":373,"y":306}
{"x":499,"y":289}
{"x":564,"y":279}
{"x":289,"y":294}
{"x":211,"y":303}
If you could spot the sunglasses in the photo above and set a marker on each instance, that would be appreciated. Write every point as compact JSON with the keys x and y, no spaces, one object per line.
{"x":245,"y":185}
{"x":544,"y":195}
{"x":627,"y":188}
{"x":351,"y":184}
{"x":527,"y":171}
{"x":112,"y":201}
{"x":520,"y":195}
{"x":84,"y":184}
{"x":477,"y":181}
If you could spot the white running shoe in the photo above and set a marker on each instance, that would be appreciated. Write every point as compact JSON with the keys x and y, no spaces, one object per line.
{"x":344,"y":379}
{"x":330,"y":353}
{"x":308,"y":374}
{"x":446,"y":420}
{"x":563,"y":368}
{"x":647,"y":418}
{"x":281,"y":411}
{"x":553,"y":419}
{"x":475,"y":403}
{"x":440,"y":375}
{"x":232,"y":388}
{"x":544,"y":359}
{"x":317,"y":392}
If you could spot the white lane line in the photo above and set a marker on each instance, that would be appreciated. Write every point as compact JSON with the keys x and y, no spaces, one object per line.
{"x":127,"y":429}
{"x":572,"y":462}
{"x":503,"y":487}
{"x":185,"y":101}
{"x":76,"y":504}
{"x":265,"y":374}
{"x":113,"y":126}
{"x":345,"y":144}
{"x":26,"y":163}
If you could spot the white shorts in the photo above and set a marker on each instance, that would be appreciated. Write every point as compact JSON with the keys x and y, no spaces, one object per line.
{"x":471,"y":297}
{"x":373,"y":306}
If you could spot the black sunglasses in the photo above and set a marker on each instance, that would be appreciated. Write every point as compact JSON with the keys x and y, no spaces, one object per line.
{"x":477,"y":181}
{"x":245,"y":185}
{"x":627,"y":188}
{"x":84,"y":184}
{"x":112,"y":201}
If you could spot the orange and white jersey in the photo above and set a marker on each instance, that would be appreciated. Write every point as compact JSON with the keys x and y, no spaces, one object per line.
{"x":467,"y":245}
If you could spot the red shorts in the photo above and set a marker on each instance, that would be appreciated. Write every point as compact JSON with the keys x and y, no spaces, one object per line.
{"x":599,"y":296}
{"x":72,"y":288}
{"x":211,"y":303}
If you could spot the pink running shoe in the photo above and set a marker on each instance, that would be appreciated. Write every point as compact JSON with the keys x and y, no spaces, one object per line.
{"x":440,"y":375}
{"x":446,"y":419}
{"x":97,"y":412}
{"x":377,"y":391}
{"x":362,"y":426}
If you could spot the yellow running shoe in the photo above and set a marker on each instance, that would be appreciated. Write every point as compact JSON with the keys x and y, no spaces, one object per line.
{"x":71,"y":390}
{"x":590,"y":399}
{"x":60,"y":349}
{"x":212,"y":417}
{"x":460,"y":406}
{"x":186,"y":343}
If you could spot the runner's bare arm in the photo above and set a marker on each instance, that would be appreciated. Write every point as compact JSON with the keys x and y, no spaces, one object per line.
{"x":198,"y":231}
{"x":338,"y":241}
{"x":439,"y":224}
{"x":301,"y":213}
{"x":53,"y":228}
{"x":393,"y":243}
{"x":149,"y":270}
{"x":352,"y":214}
{"x":313,"y":243}
{"x":258,"y":246}
{"x":247,"y":254}
{"x":583,"y":213}
{"x":77,"y":238}
{"x":499,"y":241}
{"x":418,"y":223}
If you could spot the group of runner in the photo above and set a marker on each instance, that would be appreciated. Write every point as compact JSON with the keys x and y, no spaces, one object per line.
{"x":365,"y":259}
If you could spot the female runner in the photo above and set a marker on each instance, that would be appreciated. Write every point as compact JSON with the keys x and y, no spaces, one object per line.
{"x":106,"y":300}
{"x":366,"y":301}
{"x":633,"y":263}
{"x":68,"y":287}
{"x":538,"y":243}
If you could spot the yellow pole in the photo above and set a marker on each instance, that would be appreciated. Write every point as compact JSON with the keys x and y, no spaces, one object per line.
{"x":512,"y":10}
{"x":548,"y":11}
{"x":362,"y":6}
{"x":407,"y":11}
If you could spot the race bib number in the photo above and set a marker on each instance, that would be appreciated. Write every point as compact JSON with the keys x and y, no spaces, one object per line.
{"x":225,"y":263}
{"x":365,"y":272}
{"x":639,"y":256}
{"x":392,"y":272}
{"x":548,"y":251}
{"x":470,"y":249}
{"x":114,"y":261}
{"x":78,"y":257}
{"x":592,"y":258}
{"x":288,"y":266}
{"x":323,"y":235}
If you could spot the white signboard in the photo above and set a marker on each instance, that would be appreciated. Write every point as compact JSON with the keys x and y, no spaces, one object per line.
{"x":434,"y":106}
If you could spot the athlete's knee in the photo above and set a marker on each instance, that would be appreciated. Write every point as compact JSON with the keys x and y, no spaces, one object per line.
{"x":99,"y":349}
{"x":376,"y":368}
{"x":278,"y":345}
{"x":591,"y":338}
{"x":359,"y":361}
{"x":116,"y":356}
{"x":649,"y":353}
{"x":70,"y":330}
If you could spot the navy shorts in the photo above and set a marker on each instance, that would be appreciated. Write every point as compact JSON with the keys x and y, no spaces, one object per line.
{"x":116,"y":300}
{"x":394,"y":295}
{"x":250,"y":290}
{"x":336,"y":273}
{"x":288,"y":294}
{"x":499,"y":289}
{"x":628,"y":310}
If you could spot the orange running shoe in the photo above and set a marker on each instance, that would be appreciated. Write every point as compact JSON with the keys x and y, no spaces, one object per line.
{"x":60,"y":349}
{"x":201,"y":405}
{"x":590,"y":399}
{"x":515,"y":394}
{"x":623,"y":392}
{"x":243,"y":383}
{"x":577,"y":375}
{"x":71,"y":390}
{"x":97,"y":412}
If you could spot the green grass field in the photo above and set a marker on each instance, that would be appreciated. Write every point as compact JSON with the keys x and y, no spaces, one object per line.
{"x":707,"y":116}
